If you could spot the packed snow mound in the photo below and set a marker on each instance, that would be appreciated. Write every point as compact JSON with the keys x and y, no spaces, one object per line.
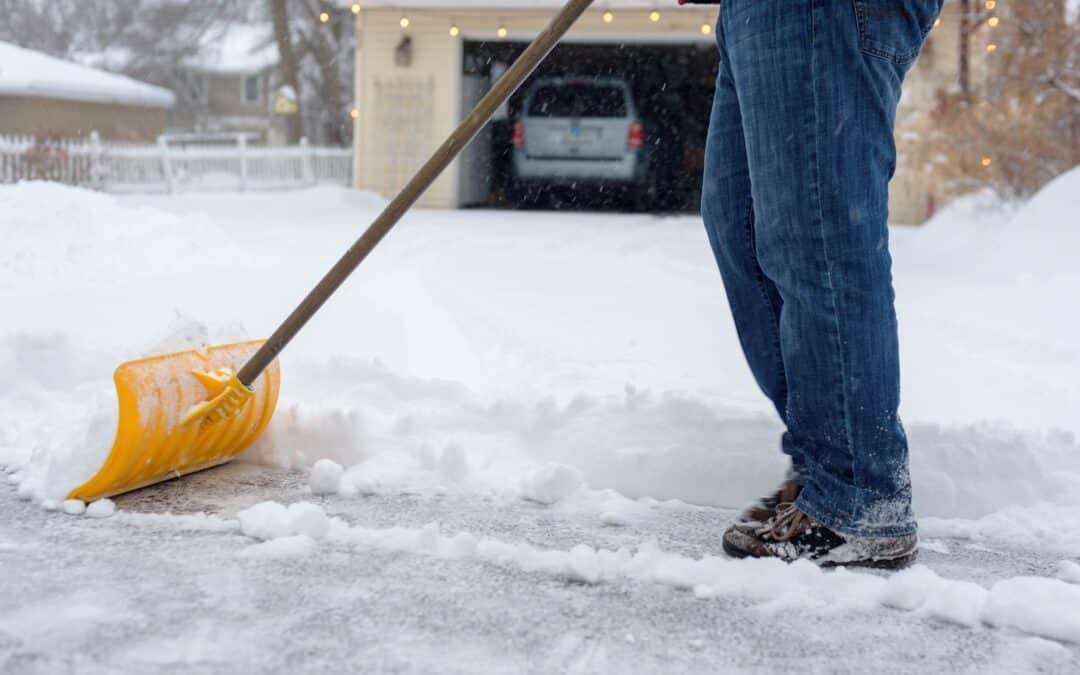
{"x":405,"y":434}
{"x":1034,"y":239}
{"x":1050,"y":215}
{"x":59,"y":234}
{"x":102,"y":508}
{"x":551,"y":483}
{"x":326,"y":477}
{"x":272,"y":520}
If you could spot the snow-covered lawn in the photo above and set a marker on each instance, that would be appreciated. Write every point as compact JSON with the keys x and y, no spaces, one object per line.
{"x":544,"y":422}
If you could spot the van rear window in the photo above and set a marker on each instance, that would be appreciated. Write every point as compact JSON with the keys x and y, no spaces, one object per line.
{"x":576,"y":100}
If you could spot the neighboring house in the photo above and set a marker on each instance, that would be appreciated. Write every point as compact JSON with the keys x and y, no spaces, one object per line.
{"x":47,"y":97}
{"x":231,"y":84}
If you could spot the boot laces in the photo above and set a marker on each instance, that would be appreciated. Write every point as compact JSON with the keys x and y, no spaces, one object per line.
{"x":788,"y":523}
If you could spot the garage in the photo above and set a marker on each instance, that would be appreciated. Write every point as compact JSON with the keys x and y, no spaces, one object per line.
{"x":671,"y":88}
{"x":422,"y":64}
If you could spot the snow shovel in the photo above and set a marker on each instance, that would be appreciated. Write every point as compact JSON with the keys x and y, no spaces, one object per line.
{"x":192,"y":410}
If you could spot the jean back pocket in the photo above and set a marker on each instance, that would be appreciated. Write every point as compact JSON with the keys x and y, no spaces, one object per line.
{"x":895,"y":29}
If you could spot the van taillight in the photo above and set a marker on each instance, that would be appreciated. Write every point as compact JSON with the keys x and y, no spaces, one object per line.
{"x":636,"y":138}
{"x":519,"y":134}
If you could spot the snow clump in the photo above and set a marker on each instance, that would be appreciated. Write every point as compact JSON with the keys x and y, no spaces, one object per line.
{"x":1069,"y":571}
{"x":326,"y":477}
{"x":272,"y":520}
{"x":102,"y":508}
{"x":552,"y":483}
{"x":74,"y":507}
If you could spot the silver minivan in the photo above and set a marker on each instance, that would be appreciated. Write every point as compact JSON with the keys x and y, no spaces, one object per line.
{"x":580,"y":129}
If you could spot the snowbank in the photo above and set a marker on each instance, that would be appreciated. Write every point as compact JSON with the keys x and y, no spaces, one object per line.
{"x":477,"y":348}
{"x":57,"y":235}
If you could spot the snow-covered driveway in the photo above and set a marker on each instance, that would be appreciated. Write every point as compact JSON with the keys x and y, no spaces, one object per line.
{"x":563,"y":394}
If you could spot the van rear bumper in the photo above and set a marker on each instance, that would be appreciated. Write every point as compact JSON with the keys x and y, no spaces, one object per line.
{"x":627,"y":169}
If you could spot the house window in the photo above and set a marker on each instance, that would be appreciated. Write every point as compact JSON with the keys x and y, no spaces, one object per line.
{"x":251,"y":89}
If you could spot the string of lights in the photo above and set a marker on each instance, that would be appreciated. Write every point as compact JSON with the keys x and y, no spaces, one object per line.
{"x":454,"y":29}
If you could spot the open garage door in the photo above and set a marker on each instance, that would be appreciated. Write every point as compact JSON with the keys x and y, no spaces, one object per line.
{"x":672,"y":89}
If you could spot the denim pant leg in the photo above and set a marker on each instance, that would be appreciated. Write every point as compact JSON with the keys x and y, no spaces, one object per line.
{"x":817,"y":109}
{"x":727,"y":208}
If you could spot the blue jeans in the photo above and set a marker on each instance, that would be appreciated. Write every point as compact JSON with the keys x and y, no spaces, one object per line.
{"x":799,"y":157}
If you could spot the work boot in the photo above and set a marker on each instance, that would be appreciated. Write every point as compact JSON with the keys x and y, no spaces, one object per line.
{"x":792,"y":535}
{"x":755,"y":515}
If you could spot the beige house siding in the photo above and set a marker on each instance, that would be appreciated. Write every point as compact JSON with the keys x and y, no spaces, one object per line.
{"x":54,"y":118}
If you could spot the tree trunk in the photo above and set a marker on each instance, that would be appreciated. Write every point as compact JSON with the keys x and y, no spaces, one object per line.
{"x":332,"y":92}
{"x":964,"y":68}
{"x":288,"y":66}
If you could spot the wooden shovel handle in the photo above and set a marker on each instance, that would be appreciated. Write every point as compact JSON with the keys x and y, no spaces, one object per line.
{"x":509,"y":83}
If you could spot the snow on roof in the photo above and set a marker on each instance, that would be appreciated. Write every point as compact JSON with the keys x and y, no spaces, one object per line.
{"x":24,"y":72}
{"x":236,"y":49}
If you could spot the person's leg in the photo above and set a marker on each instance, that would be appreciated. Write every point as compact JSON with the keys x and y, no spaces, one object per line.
{"x":817,"y":83}
{"x":727,"y":208}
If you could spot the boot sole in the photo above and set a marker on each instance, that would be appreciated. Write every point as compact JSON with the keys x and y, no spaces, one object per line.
{"x":895,"y":563}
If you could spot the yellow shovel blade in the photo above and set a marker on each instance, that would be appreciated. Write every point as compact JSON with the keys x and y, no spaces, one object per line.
{"x":157,"y":439}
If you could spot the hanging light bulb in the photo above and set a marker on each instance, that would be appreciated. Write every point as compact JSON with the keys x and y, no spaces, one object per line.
{"x":354,"y":113}
{"x":937,"y":22}
{"x":990,"y":4}
{"x":993,"y":21}
{"x":706,"y":28}
{"x":454,"y":30}
{"x":991,"y":47}
{"x":355,"y":8}
{"x":654,"y":16}
{"x":404,"y":23}
{"x":609,"y":16}
{"x":324,"y":17}
{"x":501,"y":32}
{"x":986,"y":161}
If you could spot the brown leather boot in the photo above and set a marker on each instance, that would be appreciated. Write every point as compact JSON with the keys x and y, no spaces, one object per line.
{"x":792,"y":535}
{"x":756,"y":514}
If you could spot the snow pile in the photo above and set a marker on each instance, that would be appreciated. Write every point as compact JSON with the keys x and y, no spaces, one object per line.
{"x":271,"y":520}
{"x":63,"y":235}
{"x":551,"y":483}
{"x":1050,"y":525}
{"x":400,"y":434}
{"x":285,"y":532}
{"x":1069,"y":571}
{"x":102,"y":508}
{"x":1045,"y":607}
{"x":326,"y":477}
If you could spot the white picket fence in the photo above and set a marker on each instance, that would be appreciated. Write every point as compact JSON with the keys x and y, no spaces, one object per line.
{"x":171,"y":166}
